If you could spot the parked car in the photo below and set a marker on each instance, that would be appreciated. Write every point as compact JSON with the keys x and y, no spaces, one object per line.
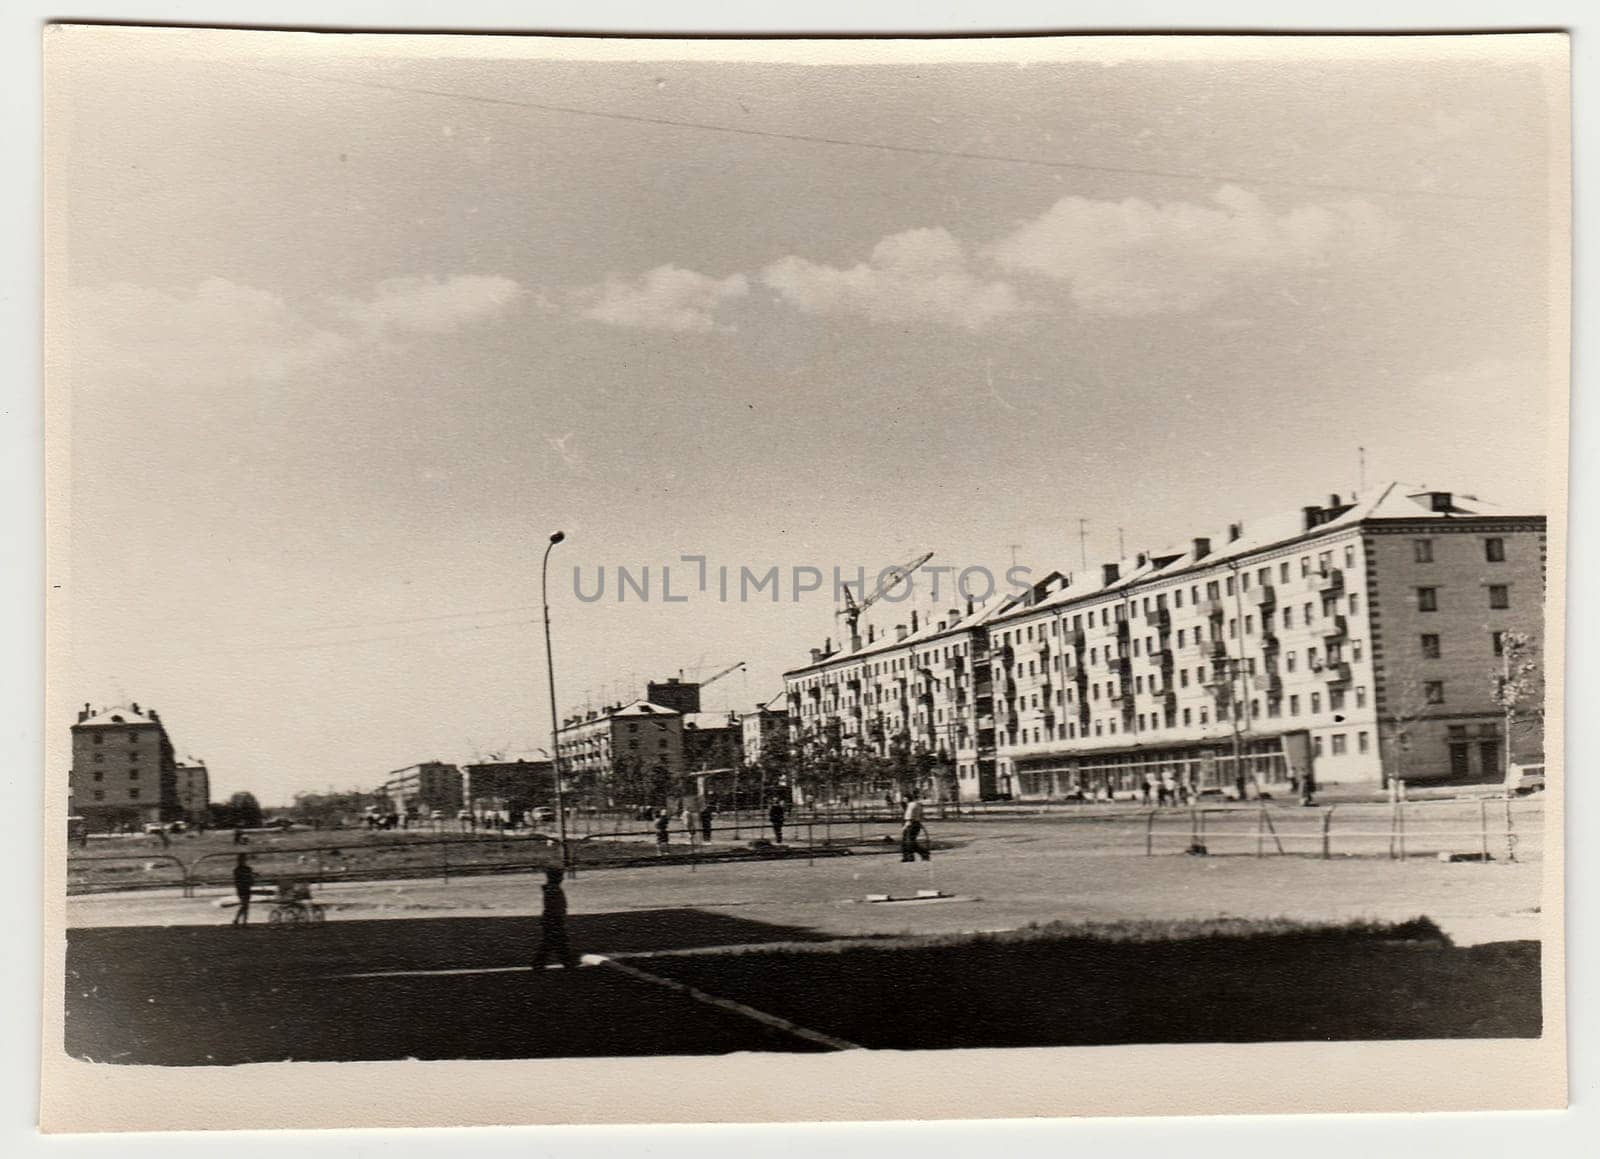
{"x":1526,"y":779}
{"x":541,"y":813}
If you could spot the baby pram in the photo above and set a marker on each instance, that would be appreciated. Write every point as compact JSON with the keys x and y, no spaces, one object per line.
{"x":294,"y":906}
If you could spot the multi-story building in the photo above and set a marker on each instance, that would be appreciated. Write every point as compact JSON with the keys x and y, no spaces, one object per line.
{"x":509,"y":787}
{"x":622,"y":752}
{"x":194,"y":792}
{"x":123,"y":769}
{"x":712,"y":740}
{"x":764,"y":733}
{"x":921,"y":699}
{"x":1355,"y":641}
{"x":420,"y":789}
{"x":1349,"y":642}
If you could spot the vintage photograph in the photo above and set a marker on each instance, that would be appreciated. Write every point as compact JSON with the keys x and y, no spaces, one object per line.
{"x":820,"y":557}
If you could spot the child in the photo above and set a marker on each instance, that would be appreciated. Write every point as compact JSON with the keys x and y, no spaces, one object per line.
{"x":553,"y":924}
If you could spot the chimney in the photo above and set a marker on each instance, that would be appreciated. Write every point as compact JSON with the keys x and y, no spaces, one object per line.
{"x":816,"y":655}
{"x":913,"y":619}
{"x":969,"y":605}
{"x":83,"y":713}
{"x":855,"y":641}
{"x":1310,"y":514}
{"x":827,"y":646}
{"x":1333,"y":500}
{"x":1235,"y":530}
{"x":135,"y":704}
{"x":1140,"y":559}
{"x":899,"y":632}
{"x":1202,"y":547}
{"x":872,"y":633}
{"x":954,"y":614}
{"x":1108,"y":573}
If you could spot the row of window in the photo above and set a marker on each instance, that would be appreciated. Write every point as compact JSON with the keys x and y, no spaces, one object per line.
{"x":1494,"y":550}
{"x":1499,"y":597}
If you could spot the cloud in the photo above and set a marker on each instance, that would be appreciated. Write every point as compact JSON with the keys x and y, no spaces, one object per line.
{"x":665,"y":298}
{"x":430,"y":305}
{"x":220,"y":329}
{"x":1134,"y":257}
{"x":224,"y":331}
{"x":920,"y":275}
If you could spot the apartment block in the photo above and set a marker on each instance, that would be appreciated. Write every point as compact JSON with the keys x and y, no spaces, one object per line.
{"x":1352,"y":641}
{"x":124,"y":773}
{"x":508,"y":787}
{"x":417,"y":790}
{"x":623,"y":751}
{"x":194,"y":792}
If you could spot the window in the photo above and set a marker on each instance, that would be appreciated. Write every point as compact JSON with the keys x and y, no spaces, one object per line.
{"x":1494,"y":550}
{"x":1316,"y":745}
{"x":1336,"y":699}
{"x":1204,"y":717}
{"x":1249,"y":625}
{"x":1324,"y":562}
{"x":133,"y":794}
{"x":1294,"y":706}
{"x":1288,"y":617}
{"x":1339,"y":744}
{"x":99,"y":795}
{"x":1355,"y":649}
{"x":1430,"y":646}
{"x":1200,"y":674}
{"x":1361,"y":696}
{"x":1427,"y":599}
{"x":1499,"y":596}
{"x":99,"y":776}
{"x":1186,"y":716}
{"x":1227,"y":585}
{"x":99,"y":757}
{"x":1355,"y":604}
{"x":1183,"y":677}
{"x":98,"y":739}
{"x":1362,"y":744}
{"x":1181,"y":632}
{"x":1283,"y":572}
{"x":1305,"y":565}
{"x":1350,"y":555}
{"x":1498,"y":640}
{"x":133,"y":774}
{"x":1264,"y":576}
{"x":1422,"y":550}
{"x":1433,"y":691}
{"x":1316,"y":703}
{"x":1233,"y":628}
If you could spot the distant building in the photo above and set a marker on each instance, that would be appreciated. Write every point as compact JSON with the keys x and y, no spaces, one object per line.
{"x":194,"y":792}
{"x":123,"y":769}
{"x":420,"y":789}
{"x":508,"y":787}
{"x":675,"y":694}
{"x":764,"y":732}
{"x":625,"y":753}
{"x":712,"y":740}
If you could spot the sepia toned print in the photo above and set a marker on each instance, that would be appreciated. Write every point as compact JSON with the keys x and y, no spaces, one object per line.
{"x":583,"y":566}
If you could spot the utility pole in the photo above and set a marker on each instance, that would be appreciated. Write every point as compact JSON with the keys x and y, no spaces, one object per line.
{"x":550,"y":672}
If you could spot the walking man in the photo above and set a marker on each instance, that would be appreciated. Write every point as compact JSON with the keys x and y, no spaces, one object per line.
{"x":553,"y":924}
{"x":706,"y":814}
{"x":775,"y":816}
{"x":910,"y":847}
{"x":244,"y":879}
{"x":663,"y":824}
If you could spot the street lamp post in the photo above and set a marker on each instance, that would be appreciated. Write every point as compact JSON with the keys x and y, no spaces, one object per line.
{"x":550,"y":672}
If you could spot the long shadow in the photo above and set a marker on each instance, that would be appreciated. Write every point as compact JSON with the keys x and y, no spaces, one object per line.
{"x":1086,"y":993}
{"x":216,"y":995}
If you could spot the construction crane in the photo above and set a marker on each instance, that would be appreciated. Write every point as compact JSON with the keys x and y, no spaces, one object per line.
{"x":852,"y":610}
{"x":710,"y":680}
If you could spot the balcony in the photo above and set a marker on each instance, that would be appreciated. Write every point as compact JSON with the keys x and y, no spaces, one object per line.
{"x":1163,"y":619}
{"x":1270,"y":643}
{"x":1044,"y":650}
{"x":1124,"y":630}
{"x":1267,"y":597}
{"x":1161,"y":658}
{"x":1007,"y":656}
{"x":1331,"y":580}
{"x":1211,"y":609}
{"x":1337,"y":629}
{"x":1219,"y":650}
{"x":1272,"y":683}
{"x":1169,"y":702}
{"x":1337,"y":673}
{"x":956,"y":663}
{"x":1076,"y":638}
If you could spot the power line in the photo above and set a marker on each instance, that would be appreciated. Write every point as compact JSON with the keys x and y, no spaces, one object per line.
{"x":914,"y":150}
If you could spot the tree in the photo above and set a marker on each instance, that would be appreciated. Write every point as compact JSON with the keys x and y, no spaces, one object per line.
{"x":1519,"y":686}
{"x":1409,"y":705}
{"x":240,"y":811}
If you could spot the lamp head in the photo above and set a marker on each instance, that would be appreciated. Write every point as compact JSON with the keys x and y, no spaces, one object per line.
{"x":558,"y":537}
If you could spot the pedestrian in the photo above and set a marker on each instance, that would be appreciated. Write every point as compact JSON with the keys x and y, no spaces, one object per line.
{"x":1147,"y":790}
{"x":166,"y":842}
{"x":910,"y":848}
{"x":888,"y":803}
{"x":706,"y":814}
{"x":689,"y":821}
{"x":238,"y":835}
{"x":244,"y":879}
{"x":1169,"y":790}
{"x":775,"y":816}
{"x":663,"y":824}
{"x":553,"y":924}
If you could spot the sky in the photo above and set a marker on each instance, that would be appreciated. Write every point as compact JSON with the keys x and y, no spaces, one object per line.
{"x":343,"y":333}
